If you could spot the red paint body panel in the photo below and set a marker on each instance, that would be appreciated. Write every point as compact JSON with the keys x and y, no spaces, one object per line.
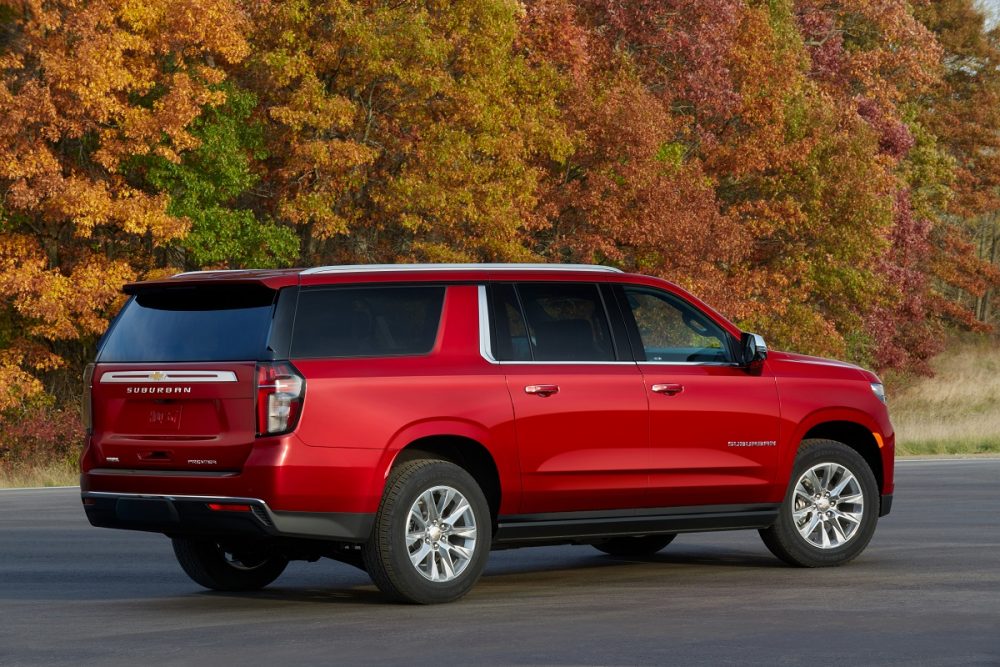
{"x":605,"y":440}
{"x":714,"y":442}
{"x":214,"y":421}
{"x":585,"y":447}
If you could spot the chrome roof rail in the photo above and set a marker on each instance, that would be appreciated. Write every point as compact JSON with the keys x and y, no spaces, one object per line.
{"x":372,"y":268}
{"x":194,"y":273}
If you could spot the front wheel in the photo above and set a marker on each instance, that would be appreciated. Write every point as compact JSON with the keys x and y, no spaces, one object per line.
{"x":432,"y":533}
{"x":830,"y":510}
{"x":223,"y":567}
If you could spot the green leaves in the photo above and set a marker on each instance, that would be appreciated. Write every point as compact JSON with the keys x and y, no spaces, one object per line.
{"x":213,"y":187}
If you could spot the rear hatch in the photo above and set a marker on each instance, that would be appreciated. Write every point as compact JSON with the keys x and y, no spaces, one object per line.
{"x":174,"y":383}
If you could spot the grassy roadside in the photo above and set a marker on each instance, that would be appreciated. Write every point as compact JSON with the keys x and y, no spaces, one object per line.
{"x":54,"y":474}
{"x":955,"y":412}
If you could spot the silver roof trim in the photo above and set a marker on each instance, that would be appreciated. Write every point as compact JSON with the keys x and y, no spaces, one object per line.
{"x":373,"y":268}
{"x":195,"y":273}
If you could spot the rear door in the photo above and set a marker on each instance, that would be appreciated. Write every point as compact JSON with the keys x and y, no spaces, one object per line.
{"x":173,"y":387}
{"x":580,"y":410}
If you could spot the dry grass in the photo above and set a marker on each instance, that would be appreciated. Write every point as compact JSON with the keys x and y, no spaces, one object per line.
{"x":955,"y":412}
{"x":55,"y":474}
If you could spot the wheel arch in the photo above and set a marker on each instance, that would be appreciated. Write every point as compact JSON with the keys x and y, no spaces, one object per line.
{"x":854,"y":435}
{"x":464,"y":452}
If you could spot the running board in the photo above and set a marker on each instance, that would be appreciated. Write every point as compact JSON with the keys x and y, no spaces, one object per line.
{"x":557,"y":527}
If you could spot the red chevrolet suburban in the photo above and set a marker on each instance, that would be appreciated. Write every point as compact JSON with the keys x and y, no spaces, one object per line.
{"x":407,"y":419}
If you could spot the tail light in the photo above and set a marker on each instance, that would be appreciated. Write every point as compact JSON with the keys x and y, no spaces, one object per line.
{"x":280,"y":390}
{"x":87,"y":406}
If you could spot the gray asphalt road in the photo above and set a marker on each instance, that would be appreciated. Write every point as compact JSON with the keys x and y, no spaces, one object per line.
{"x":926,"y":592}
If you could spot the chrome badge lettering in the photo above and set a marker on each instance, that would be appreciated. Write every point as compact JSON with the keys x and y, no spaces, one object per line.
{"x":202,"y":462}
{"x":158,"y":390}
{"x":753,"y":443}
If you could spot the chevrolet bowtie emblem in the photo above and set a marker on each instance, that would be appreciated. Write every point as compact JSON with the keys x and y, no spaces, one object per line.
{"x":157,"y":375}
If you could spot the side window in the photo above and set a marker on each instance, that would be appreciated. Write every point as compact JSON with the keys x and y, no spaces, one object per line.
{"x":510,"y":332}
{"x":672,"y":330}
{"x":565,"y":322}
{"x":366,"y":321}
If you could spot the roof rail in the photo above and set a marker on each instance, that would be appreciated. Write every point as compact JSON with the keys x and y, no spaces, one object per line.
{"x":371,"y":268}
{"x":194,"y":273}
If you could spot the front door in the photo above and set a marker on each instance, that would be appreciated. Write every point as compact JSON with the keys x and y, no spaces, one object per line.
{"x":713,"y":424}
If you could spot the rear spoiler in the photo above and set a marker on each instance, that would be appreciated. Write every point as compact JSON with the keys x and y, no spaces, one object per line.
{"x":272,"y":279}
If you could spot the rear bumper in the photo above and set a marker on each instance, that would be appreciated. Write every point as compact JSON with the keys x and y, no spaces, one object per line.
{"x":191,"y":516}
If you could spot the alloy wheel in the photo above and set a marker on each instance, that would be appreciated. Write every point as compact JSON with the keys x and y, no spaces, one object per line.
{"x":828,"y":505}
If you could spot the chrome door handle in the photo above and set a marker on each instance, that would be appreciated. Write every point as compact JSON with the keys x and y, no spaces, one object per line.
{"x":669,"y":389}
{"x":542,"y":390}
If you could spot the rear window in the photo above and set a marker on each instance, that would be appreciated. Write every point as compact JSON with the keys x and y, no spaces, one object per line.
{"x":193,"y":323}
{"x":366,"y":321}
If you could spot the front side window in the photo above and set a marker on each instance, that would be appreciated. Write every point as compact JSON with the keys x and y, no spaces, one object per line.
{"x":672,"y":330}
{"x":551,"y":322}
{"x":366,"y":321}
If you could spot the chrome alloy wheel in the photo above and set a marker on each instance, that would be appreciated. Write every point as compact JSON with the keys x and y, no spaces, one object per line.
{"x":441,"y":534}
{"x":828,"y":505}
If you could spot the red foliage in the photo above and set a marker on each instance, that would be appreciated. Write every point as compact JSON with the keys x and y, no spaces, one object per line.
{"x":904,"y":334}
{"x":38,"y":435}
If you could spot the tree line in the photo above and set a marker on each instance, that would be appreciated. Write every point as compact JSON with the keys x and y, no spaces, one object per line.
{"x":825,"y":172}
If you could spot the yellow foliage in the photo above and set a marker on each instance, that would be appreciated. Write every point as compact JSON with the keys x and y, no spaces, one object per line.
{"x":84,"y":87}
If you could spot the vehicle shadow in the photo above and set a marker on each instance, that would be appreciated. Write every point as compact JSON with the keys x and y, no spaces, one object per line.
{"x":542,"y":573}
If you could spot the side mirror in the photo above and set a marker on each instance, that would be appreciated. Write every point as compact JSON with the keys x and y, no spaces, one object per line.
{"x":753,"y":349}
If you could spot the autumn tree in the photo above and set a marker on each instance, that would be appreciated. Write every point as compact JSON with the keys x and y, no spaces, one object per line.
{"x":85,"y":88}
{"x":825,"y":171}
{"x":963,"y":113}
{"x":750,"y":150}
{"x":401,"y":130}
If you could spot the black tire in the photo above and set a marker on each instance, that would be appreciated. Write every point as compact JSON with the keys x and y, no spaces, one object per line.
{"x":386,"y":555}
{"x":228,"y":568}
{"x":784,"y":538}
{"x":634,"y":546}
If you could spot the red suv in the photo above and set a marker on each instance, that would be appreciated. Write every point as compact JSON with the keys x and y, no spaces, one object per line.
{"x":408,"y":419}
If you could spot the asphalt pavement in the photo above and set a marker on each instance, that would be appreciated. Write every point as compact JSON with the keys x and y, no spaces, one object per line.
{"x":926,"y":592}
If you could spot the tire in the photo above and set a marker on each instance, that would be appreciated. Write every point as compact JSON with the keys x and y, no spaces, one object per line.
{"x":425,"y":548}
{"x":635,"y":546}
{"x":227,"y":568}
{"x":826,"y":519}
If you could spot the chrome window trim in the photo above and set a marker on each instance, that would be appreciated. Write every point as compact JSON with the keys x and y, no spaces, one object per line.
{"x":175,"y":376}
{"x":373,"y":268}
{"x":485,"y":341}
{"x":730,"y":364}
{"x":486,"y":348}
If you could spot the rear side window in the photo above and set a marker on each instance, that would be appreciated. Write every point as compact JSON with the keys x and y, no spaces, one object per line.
{"x":511,"y":339}
{"x":551,"y":322}
{"x":193,"y":323}
{"x":366,"y":321}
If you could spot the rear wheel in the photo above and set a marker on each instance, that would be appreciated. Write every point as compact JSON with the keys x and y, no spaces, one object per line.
{"x":224,"y":567}
{"x":830,"y":510}
{"x":634,"y":546}
{"x":432,"y":533}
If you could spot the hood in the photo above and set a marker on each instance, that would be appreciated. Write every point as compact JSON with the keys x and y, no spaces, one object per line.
{"x":820,"y":365}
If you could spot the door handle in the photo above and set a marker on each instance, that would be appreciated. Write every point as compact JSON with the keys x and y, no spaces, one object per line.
{"x":542,"y":390}
{"x":669,"y":389}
